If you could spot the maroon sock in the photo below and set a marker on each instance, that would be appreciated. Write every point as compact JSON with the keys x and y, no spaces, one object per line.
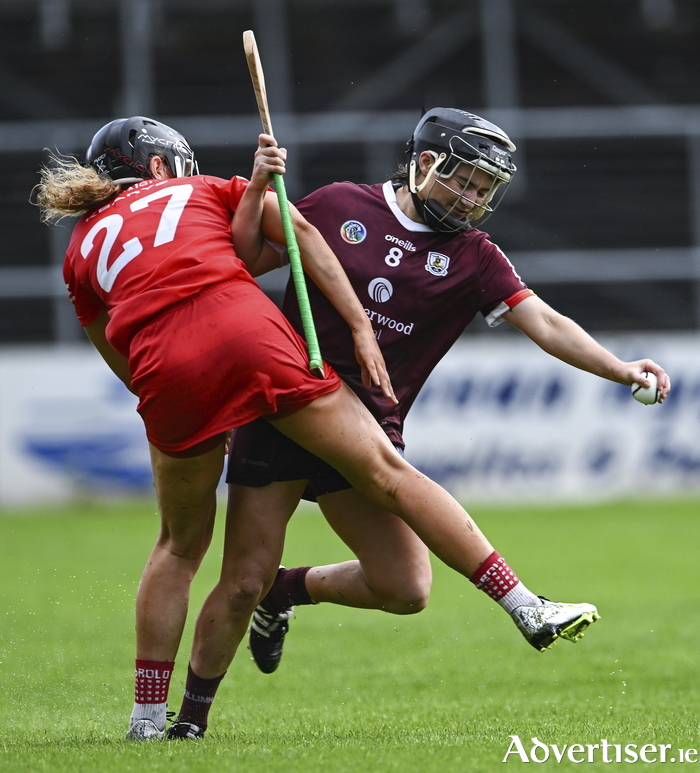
{"x":288,"y":590}
{"x":199,"y":695}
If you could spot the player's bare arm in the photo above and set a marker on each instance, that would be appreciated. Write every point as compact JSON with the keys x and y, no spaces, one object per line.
{"x":246,"y":226}
{"x":563,"y":338}
{"x":96,"y":332}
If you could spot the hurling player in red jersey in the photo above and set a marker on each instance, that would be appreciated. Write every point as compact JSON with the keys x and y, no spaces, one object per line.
{"x":163,"y":296}
{"x":422,"y":272}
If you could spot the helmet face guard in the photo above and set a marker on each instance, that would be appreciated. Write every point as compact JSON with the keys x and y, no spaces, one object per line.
{"x":454,"y":137}
{"x":122,"y":149}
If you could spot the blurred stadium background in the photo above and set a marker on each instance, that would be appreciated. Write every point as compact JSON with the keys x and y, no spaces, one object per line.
{"x":603,"y":220}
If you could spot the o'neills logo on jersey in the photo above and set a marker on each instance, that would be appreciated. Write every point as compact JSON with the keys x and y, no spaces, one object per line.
{"x":437,"y":264}
{"x":380,"y":289}
{"x":401,"y":242}
{"x":353,"y":232}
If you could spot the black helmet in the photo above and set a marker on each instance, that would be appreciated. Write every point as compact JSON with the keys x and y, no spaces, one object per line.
{"x":122,"y":148}
{"x":456,"y":137}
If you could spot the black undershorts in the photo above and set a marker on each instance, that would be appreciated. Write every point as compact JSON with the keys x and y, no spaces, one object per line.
{"x":261,"y":455}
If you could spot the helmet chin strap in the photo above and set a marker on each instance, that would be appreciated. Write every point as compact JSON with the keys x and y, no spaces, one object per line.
{"x":432,"y":172}
{"x":435,"y":215}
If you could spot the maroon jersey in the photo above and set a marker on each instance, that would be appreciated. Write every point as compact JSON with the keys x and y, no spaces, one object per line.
{"x":420,"y":289}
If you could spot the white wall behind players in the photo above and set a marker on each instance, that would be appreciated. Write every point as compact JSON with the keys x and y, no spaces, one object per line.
{"x":498,"y":420}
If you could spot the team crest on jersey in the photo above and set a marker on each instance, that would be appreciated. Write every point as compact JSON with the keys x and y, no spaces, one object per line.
{"x":437,"y":264}
{"x":353,"y":232}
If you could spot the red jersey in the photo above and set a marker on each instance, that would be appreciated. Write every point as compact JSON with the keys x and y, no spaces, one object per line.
{"x":420,"y":289}
{"x":156,"y":243}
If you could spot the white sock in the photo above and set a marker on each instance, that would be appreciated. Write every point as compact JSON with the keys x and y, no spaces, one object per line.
{"x":153,"y":711}
{"x":519,"y":596}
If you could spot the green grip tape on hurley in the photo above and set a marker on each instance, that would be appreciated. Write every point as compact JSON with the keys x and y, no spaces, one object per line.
{"x":307,"y":318}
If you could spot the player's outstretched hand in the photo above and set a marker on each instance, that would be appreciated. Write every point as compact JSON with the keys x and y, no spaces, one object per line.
{"x":635,"y":375}
{"x":371,"y":362}
{"x":268,"y":160}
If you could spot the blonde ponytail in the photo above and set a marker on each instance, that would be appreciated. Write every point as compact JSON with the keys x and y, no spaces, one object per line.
{"x":69,"y":189}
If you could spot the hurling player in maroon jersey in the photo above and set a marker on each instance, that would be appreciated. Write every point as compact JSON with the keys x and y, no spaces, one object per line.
{"x":157,"y":284}
{"x":422,"y":273}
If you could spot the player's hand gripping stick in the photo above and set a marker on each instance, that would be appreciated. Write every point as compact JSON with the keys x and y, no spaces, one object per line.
{"x":307,"y":320}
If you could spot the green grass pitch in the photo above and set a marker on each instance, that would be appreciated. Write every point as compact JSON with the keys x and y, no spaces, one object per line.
{"x":358,"y":691}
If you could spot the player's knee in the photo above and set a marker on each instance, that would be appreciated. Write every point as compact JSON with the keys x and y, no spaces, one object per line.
{"x":409,"y":598}
{"x":406,"y":606}
{"x":246,"y":588}
{"x":244,"y":595}
{"x":382,"y":480}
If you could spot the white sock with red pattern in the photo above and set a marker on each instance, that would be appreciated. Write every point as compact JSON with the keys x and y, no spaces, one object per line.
{"x":499,"y":581}
{"x":151,"y":691}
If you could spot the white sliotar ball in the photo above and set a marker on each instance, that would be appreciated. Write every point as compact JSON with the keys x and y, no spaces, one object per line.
{"x":647,"y":395}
